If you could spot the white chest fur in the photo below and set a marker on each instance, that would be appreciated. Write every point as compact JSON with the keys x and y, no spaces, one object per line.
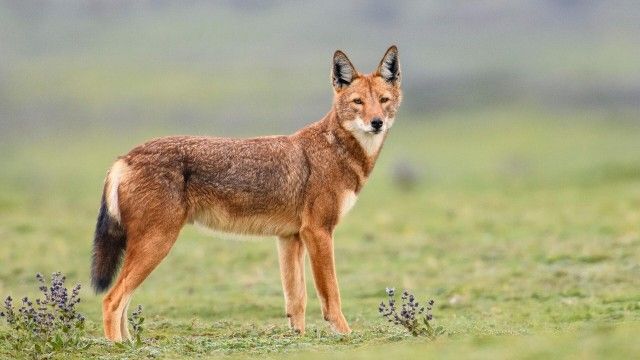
{"x":371,"y":143}
{"x":348,"y":200}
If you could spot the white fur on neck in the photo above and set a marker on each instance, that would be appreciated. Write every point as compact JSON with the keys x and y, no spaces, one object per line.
{"x":348,"y":200}
{"x":370,"y":142}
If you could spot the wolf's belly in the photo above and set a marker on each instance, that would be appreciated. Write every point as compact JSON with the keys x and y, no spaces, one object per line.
{"x":275,"y":224}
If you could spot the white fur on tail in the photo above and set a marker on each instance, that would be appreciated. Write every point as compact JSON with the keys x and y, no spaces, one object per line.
{"x":113,"y":183}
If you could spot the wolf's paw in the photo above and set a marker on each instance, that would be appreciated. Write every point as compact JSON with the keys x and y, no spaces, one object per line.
{"x":339,"y":325}
{"x":296,"y":323}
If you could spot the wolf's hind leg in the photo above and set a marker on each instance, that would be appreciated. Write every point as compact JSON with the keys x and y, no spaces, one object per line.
{"x":142,"y":255}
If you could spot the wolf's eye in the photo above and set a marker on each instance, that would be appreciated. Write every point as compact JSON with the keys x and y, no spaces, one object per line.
{"x":383,"y":100}
{"x":358,"y":101}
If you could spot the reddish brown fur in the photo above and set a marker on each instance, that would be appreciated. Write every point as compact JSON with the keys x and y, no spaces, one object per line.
{"x":294,"y":187}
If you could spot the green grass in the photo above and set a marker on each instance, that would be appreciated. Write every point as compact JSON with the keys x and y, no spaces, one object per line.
{"x":524,"y":230}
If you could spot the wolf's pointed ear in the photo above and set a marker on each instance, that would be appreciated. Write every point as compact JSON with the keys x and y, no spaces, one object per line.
{"x":389,"y":68}
{"x":343,"y":72}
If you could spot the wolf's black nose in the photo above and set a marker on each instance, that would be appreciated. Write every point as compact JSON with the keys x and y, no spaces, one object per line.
{"x":376,"y":123}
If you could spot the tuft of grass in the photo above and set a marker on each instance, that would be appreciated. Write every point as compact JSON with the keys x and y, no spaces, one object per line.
{"x":415,"y":318}
{"x":47,"y":325}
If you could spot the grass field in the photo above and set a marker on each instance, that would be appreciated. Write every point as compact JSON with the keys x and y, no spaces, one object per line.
{"x":525,"y":229}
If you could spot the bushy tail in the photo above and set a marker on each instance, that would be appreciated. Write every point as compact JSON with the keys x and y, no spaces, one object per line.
{"x":109,"y":244}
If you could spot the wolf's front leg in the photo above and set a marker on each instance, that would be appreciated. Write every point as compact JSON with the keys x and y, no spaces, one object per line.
{"x":291,"y":256}
{"x":319,"y":244}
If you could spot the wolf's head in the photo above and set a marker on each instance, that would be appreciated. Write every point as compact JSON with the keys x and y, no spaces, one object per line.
{"x":366,"y":104}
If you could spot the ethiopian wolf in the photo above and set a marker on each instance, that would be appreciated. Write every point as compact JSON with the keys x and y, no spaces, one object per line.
{"x":296,"y":187}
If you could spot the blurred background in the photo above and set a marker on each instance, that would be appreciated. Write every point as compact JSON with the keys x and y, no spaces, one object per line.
{"x":262,"y":66}
{"x":508,"y":189}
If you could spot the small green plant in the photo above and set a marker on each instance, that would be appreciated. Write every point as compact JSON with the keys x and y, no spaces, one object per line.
{"x":48,"y":324}
{"x":412,"y":316}
{"x":136,"y":320}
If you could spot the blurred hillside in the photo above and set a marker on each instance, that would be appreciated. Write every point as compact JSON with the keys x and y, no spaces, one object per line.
{"x":262,"y":66}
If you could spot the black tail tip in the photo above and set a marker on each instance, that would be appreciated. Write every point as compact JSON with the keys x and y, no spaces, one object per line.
{"x":100,"y":285}
{"x":109,"y":243}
